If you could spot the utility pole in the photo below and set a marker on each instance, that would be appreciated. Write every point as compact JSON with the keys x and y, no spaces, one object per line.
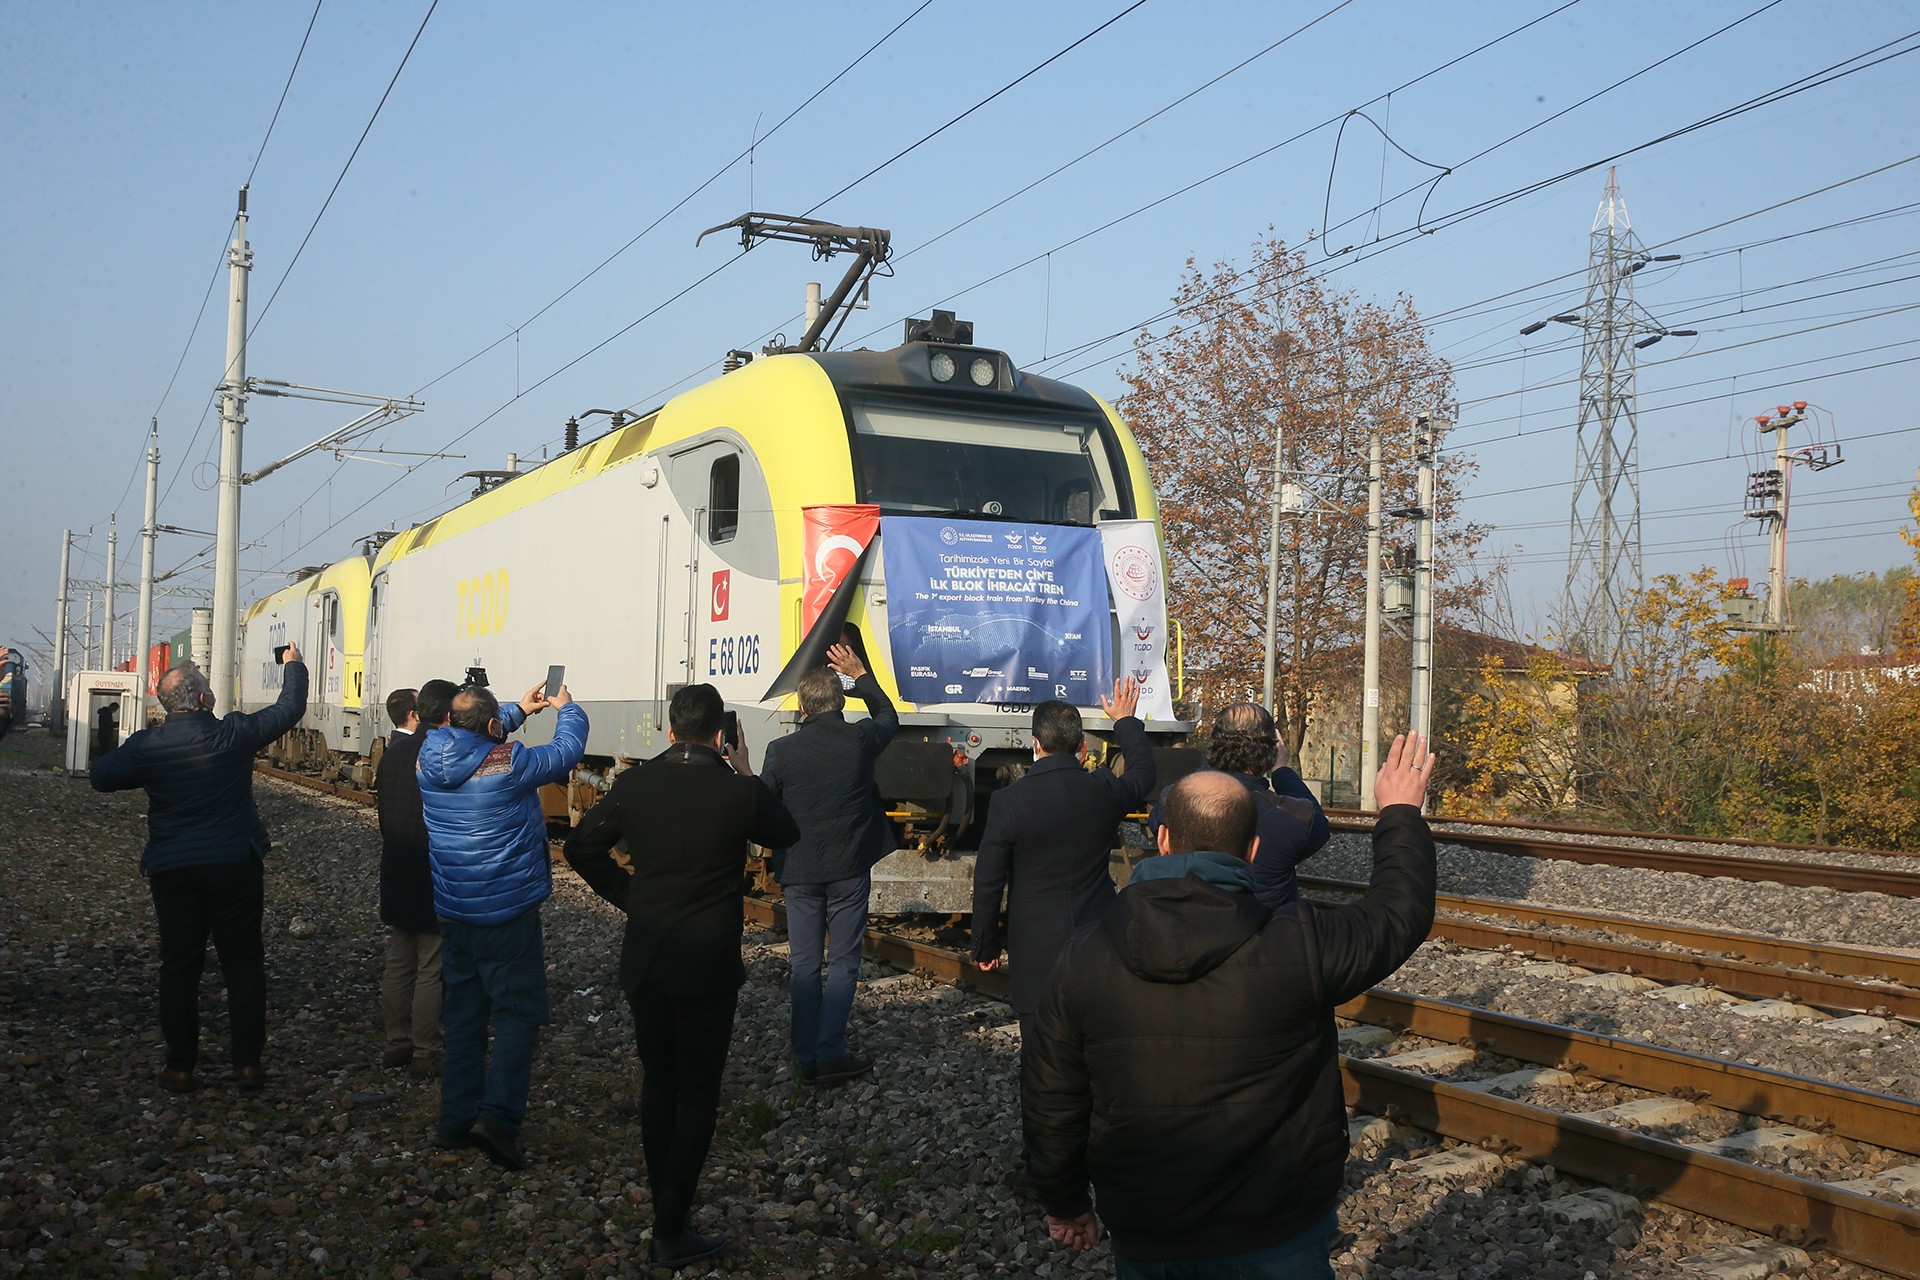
{"x":113,"y":546}
{"x":1768,"y":495}
{"x":1273,"y":576}
{"x":1426,"y":433}
{"x":86,"y":638}
{"x":58,"y":703}
{"x":1370,"y":698}
{"x":233,"y":418}
{"x":143,"y":639}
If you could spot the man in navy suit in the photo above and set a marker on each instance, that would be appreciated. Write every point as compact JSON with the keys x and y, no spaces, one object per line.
{"x":1048,"y":840}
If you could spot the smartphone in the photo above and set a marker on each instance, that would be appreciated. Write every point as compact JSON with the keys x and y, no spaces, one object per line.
{"x":730,"y":730}
{"x":556,"y":676}
{"x":280,"y":654}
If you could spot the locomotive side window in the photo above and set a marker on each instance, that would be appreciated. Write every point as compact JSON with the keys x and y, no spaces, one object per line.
{"x":723,"y":499}
{"x":1057,"y":469}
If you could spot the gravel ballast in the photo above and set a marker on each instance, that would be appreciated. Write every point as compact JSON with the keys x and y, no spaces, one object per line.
{"x":329,"y":1172}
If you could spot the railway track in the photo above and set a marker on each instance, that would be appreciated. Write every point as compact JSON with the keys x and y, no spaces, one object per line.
{"x":1388,"y":1083}
{"x":1824,"y":976}
{"x":1549,"y":842}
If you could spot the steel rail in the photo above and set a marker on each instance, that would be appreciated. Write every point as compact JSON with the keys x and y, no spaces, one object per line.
{"x":1898,"y":884}
{"x":1834,"y":958}
{"x":340,"y":789}
{"x":1614,"y":833}
{"x":1740,"y":977}
{"x":1874,"y":1233}
{"x":1876,"y":1119}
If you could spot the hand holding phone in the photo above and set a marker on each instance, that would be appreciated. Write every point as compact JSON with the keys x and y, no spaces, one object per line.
{"x":730,"y":730}
{"x":280,"y":654}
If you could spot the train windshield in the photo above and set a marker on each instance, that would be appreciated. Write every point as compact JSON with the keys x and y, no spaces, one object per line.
{"x":1057,"y":468}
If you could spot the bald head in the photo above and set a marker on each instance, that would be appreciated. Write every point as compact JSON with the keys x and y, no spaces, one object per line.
{"x":1207,"y":810}
{"x":184,"y":688}
{"x":1242,"y":739}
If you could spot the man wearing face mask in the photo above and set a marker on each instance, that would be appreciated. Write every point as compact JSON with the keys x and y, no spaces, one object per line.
{"x":1047,"y":843}
{"x":487,"y":843}
{"x":205,"y":843}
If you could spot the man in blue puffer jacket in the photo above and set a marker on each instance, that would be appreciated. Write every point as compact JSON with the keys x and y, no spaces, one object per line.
{"x":205,"y":842}
{"x":487,"y":841}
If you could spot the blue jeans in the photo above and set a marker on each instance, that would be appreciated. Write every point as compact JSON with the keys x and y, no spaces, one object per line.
{"x":829,"y":917}
{"x":497,"y":973}
{"x":1304,"y":1257}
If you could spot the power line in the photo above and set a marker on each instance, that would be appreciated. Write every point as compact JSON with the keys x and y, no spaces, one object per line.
{"x":1430,"y":72}
{"x":298,"y":54}
{"x":929,"y":137}
{"x":743,"y":154}
{"x":324,"y":204}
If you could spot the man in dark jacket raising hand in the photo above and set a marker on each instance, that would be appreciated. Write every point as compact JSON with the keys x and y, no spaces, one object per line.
{"x":205,"y":842}
{"x":823,"y":773}
{"x":1202,"y":1022}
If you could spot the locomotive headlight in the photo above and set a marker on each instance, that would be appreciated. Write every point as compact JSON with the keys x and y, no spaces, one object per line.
{"x":942,"y":365}
{"x":981,"y":371}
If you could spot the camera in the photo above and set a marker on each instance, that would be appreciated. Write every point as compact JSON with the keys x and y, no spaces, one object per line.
{"x":476,"y":678}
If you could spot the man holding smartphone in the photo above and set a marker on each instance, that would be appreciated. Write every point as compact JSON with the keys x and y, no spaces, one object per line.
{"x":687,"y":816}
{"x":487,"y":843}
{"x":205,"y":846}
{"x":824,"y":773}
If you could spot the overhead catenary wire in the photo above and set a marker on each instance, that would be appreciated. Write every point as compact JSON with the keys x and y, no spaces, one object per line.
{"x":261,"y":315}
{"x":520,"y":394}
{"x":656,"y":395}
{"x":760,"y":140}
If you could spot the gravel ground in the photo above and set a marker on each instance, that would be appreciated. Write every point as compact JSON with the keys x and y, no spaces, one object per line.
{"x":328,"y":1172}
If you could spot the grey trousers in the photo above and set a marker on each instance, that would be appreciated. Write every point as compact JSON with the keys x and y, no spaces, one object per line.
{"x":410,"y":993}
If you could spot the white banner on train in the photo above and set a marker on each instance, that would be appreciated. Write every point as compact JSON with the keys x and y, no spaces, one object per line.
{"x":1132,"y":552}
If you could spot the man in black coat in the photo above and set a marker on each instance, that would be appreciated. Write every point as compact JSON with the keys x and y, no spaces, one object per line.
{"x":1186,"y":1061}
{"x":823,"y":773}
{"x":1048,"y":841}
{"x":687,"y":818}
{"x":205,"y":842}
{"x":410,"y":986}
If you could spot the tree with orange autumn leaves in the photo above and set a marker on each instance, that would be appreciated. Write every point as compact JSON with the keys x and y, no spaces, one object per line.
{"x":1269,"y":347}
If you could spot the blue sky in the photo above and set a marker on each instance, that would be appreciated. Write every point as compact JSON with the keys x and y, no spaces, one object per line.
{"x":522,"y":146}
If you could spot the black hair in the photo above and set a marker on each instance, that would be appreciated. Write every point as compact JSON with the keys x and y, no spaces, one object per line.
{"x":400,"y":705}
{"x":695,"y":713}
{"x":434,"y":702}
{"x":1056,"y":727}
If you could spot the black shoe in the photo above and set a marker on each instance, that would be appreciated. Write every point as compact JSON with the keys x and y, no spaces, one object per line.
{"x":501,"y":1147}
{"x":690,"y":1247}
{"x":837,"y":1071}
{"x":177,"y":1080}
{"x":394,"y":1059}
{"x":454,"y":1142}
{"x":249,"y":1079}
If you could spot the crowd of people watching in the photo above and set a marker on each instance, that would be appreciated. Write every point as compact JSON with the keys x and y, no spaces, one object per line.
{"x":1178,"y":1060}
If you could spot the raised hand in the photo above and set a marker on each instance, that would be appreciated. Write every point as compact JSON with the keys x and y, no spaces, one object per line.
{"x":1403,"y":777}
{"x":1125,"y":699}
{"x":536,"y":699}
{"x":843,"y":659}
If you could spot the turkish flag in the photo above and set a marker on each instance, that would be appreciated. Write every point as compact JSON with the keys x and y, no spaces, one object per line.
{"x":832,"y":542}
{"x":722,"y":593}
